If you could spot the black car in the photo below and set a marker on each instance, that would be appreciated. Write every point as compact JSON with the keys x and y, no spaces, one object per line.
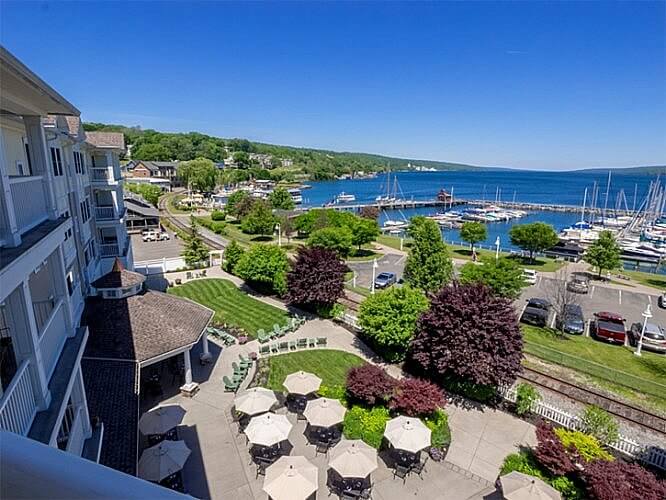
{"x":572,"y":320}
{"x":536,"y":313}
{"x":385,"y":280}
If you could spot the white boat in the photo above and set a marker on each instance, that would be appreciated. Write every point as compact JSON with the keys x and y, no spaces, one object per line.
{"x":345,"y":198}
{"x":296,"y":195}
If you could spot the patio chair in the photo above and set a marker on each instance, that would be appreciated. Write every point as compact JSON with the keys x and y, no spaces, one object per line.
{"x":321,"y":447}
{"x":238,"y":369}
{"x":264,"y":350}
{"x":312,"y":342}
{"x":245,"y":362}
{"x":188,"y":275}
{"x":284,"y":346}
{"x":419,"y":467}
{"x":347,"y":495}
{"x":302,"y":343}
{"x":400,"y":471}
{"x":292,"y":345}
{"x":229,"y":386}
{"x":322,"y":341}
{"x":274,"y":348}
{"x":261,"y":469}
{"x":262,"y":336}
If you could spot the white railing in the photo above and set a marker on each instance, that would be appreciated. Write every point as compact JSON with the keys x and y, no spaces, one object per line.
{"x":43,"y":310}
{"x":105,"y":213}
{"x":55,"y":334}
{"x":100,"y":174}
{"x":17,"y":406}
{"x":109,"y":250}
{"x":76,"y":436}
{"x":350,"y":320}
{"x":29,"y":201}
{"x":645,"y":453}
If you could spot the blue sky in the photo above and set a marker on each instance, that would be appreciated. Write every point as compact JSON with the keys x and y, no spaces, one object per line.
{"x":528,"y":85}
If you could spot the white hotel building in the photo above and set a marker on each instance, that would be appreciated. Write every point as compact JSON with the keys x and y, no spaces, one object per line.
{"x":61,"y":228}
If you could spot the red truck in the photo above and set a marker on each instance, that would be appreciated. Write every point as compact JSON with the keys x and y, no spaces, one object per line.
{"x":608,"y":326}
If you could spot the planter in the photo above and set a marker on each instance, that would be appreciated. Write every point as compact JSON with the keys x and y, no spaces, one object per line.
{"x":438,"y":454}
{"x":242,"y":339}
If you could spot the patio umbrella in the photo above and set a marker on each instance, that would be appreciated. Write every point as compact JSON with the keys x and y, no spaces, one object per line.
{"x":291,"y":478}
{"x":255,"y":400}
{"x":407,"y":433}
{"x":162,"y":460}
{"x":268,"y":429}
{"x":353,"y":458}
{"x":161,"y":420}
{"x":324,"y":412}
{"x":519,"y":486}
{"x":302,"y":383}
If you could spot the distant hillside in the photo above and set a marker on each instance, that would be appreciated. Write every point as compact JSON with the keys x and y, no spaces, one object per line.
{"x":301,"y":162}
{"x":649,"y":170}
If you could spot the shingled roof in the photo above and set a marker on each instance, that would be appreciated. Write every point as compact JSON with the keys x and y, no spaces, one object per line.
{"x":143,"y":326}
{"x":119,"y":277}
{"x":114,"y":140}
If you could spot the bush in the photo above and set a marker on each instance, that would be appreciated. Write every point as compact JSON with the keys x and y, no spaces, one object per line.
{"x":217,"y":215}
{"x":369,"y":384}
{"x":550,"y":451}
{"x":333,"y":238}
{"x":317,"y":278}
{"x":477,"y":392}
{"x":600,"y":424}
{"x":417,"y":397}
{"x":330,"y":311}
{"x":582,"y":445}
{"x":620,"y":480}
{"x":366,"y":424}
{"x":232,"y":254}
{"x":333,"y":392}
{"x":265,"y":268}
{"x":526,"y":397}
{"x":438,"y":423}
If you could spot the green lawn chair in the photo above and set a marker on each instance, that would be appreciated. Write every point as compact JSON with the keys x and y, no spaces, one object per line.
{"x":262,"y":336}
{"x":229,"y":386}
{"x":245,"y":362}
{"x":265,"y":350}
{"x":292,"y":345}
{"x":238,"y":371}
{"x":312,"y":342}
{"x":284,"y":346}
{"x":274,"y":348}
{"x":229,"y":339}
{"x":302,"y":343}
{"x":322,"y":341}
{"x":277,"y":331}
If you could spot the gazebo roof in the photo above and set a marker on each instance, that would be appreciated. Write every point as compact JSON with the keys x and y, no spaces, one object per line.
{"x":118,"y":277}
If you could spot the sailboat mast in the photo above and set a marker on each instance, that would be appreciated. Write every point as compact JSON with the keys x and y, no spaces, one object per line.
{"x":582,"y":212}
{"x":607,"y":192}
{"x":633,"y":209}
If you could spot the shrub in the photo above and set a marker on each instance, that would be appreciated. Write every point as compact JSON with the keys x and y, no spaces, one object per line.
{"x":438,"y":423}
{"x":333,"y":238}
{"x":477,"y":392}
{"x":567,"y":488}
{"x":582,"y":445}
{"x":330,"y":311}
{"x":333,"y":392}
{"x":369,"y":384}
{"x":550,"y":451}
{"x":615,"y":480}
{"x":232,"y":254}
{"x":417,"y":397}
{"x":522,"y":462}
{"x":366,"y":424}
{"x":265,"y":268}
{"x":600,"y":424}
{"x":217,"y":215}
{"x":526,"y":397}
{"x":317,"y":278}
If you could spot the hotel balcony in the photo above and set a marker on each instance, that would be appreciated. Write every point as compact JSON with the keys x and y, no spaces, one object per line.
{"x":108,"y":214}
{"x":28,"y":198}
{"x":104,"y":176}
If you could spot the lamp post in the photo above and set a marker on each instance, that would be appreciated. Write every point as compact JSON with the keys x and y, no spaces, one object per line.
{"x":277,"y":227}
{"x":497,"y":247}
{"x":374,"y":268}
{"x":647,"y":314}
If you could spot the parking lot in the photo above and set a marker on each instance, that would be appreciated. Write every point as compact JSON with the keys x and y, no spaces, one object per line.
{"x":152,"y":250}
{"x":391,"y":263}
{"x":629,"y":304}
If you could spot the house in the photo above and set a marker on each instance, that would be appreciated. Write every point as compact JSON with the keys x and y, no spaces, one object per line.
{"x":266,"y":161}
{"x":140,"y":214}
{"x":165,"y":170}
{"x":61,"y":229}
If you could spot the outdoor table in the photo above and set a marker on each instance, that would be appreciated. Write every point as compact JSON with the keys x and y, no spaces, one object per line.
{"x":405,"y":458}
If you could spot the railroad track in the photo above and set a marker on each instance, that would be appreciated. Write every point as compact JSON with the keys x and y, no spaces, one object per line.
{"x":621,"y":409}
{"x":165,"y":214}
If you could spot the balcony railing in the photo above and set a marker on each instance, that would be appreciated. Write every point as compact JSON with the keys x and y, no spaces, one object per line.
{"x":109,"y":250}
{"x":17,"y":406}
{"x":29,"y":201}
{"x":43,"y":309}
{"x":105,"y":213}
{"x":102,"y":175}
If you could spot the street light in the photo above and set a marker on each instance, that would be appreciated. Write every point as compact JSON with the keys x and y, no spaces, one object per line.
{"x":277,"y":227}
{"x":497,"y":247}
{"x":647,"y":314}
{"x":374,"y":267}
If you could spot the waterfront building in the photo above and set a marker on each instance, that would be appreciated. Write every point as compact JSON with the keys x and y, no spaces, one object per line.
{"x":162,"y":173}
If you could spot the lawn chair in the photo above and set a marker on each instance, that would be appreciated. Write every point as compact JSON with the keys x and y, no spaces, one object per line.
{"x":245,"y":362}
{"x":229,"y":386}
{"x":277,"y":331}
{"x":238,"y":369}
{"x":188,"y":275}
{"x":274,"y":348}
{"x":262,"y":336}
{"x":322,"y":341}
{"x":264,"y":350}
{"x":284,"y":346}
{"x":229,"y":339}
{"x":302,"y":343}
{"x":312,"y":342}
{"x":292,"y":345}
{"x":321,"y":447}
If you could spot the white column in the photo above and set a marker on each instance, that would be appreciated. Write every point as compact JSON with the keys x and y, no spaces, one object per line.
{"x":188,"y":367}
{"x":41,"y":164}
{"x":12,"y":236}
{"x":205,"y":356}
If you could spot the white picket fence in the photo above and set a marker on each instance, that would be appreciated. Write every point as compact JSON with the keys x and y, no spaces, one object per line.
{"x":647,"y":454}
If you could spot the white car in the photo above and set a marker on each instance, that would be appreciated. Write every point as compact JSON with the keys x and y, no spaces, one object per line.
{"x":152,"y":235}
{"x":530,"y":276}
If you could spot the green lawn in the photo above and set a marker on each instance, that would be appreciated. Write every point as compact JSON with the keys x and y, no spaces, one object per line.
{"x":331,"y":366}
{"x":649,"y":279}
{"x":610,"y":363}
{"x":231,"y":305}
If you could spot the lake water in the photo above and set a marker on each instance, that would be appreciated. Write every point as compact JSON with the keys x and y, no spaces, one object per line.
{"x":560,"y":188}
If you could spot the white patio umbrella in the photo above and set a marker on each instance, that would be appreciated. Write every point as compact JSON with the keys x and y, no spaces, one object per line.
{"x":163,"y":459}
{"x":302,"y":383}
{"x":255,"y":400}
{"x":324,"y":412}
{"x":268,"y":429}
{"x":353,"y":458}
{"x":407,"y":433}
{"x":519,"y":486}
{"x":161,"y":419}
{"x":291,"y":478}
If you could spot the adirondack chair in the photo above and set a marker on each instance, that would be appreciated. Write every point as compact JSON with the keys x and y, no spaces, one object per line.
{"x":264,"y":350}
{"x":322,"y":341}
{"x":302,"y":343}
{"x":229,"y":386}
{"x":245,"y":363}
{"x":312,"y":342}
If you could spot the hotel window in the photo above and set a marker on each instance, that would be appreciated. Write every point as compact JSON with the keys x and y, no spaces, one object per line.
{"x":70,"y":283}
{"x":77,"y":162}
{"x":56,"y":161}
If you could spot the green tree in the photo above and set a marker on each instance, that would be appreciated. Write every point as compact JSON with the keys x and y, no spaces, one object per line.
{"x":232,"y":255}
{"x":151,"y":152}
{"x":235,"y":200}
{"x":242,"y":159}
{"x":148,"y":192}
{"x":264,"y":267}
{"x":333,"y":238}
{"x":473,"y":233}
{"x":200,"y":174}
{"x":428,"y":266}
{"x":534,"y":237}
{"x":388,"y":319}
{"x":604,"y":253}
{"x":503,"y":276}
{"x":280,"y":198}
{"x":195,"y":251}
{"x":260,"y":219}
{"x":364,"y":231}
{"x":286,"y":227}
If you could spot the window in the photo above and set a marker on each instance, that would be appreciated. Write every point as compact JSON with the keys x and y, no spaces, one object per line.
{"x":68,"y":234}
{"x":56,"y":161}
{"x":70,"y":283}
{"x":79,"y":163}
{"x":85,"y":210}
{"x":28,"y":158}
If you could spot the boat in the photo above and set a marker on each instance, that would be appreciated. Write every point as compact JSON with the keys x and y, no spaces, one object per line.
{"x":345,"y":198}
{"x":296,"y":195}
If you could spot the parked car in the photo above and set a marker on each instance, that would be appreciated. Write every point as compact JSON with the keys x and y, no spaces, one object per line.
{"x":385,"y":280}
{"x":530,"y":276}
{"x":662,"y":300}
{"x":579,"y":284}
{"x":608,"y":326}
{"x":654,"y":338}
{"x":571,"y":320}
{"x":153,"y":235}
{"x":536,"y":313}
